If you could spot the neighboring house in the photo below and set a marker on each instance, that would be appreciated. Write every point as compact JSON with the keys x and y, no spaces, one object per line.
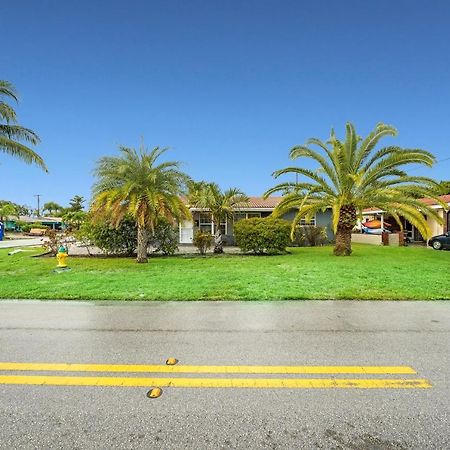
{"x":51,"y":222}
{"x":256,"y":207}
{"x":411,"y":231}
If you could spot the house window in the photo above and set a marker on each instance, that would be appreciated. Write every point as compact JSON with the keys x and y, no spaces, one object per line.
{"x":205,"y":222}
{"x":304,"y":222}
{"x":240,"y":216}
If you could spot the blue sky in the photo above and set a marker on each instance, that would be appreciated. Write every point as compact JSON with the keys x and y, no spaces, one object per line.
{"x":229,"y":86}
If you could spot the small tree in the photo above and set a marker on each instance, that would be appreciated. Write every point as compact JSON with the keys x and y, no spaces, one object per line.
{"x":203,"y":241}
{"x":53,"y":241}
{"x":221,"y":204}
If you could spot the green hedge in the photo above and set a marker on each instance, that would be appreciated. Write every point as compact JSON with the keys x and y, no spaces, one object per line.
{"x":260,"y":236}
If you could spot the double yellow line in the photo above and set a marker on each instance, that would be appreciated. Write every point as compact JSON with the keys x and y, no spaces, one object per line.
{"x":290,"y":383}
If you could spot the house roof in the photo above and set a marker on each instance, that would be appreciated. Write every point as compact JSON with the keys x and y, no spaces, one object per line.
{"x":426,"y":201}
{"x":260,"y":202}
{"x":430,"y":201}
{"x":29,"y":219}
{"x":257,"y":203}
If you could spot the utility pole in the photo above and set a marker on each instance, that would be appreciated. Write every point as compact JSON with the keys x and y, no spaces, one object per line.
{"x":38,"y":196}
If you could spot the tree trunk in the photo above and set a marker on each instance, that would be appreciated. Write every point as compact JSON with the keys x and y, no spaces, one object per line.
{"x":343,"y":246}
{"x":141,"y":245}
{"x":347,"y":220}
{"x":218,"y":239}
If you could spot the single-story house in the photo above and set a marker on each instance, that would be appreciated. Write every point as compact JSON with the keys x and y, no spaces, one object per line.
{"x":411,"y":231}
{"x":55,"y":223}
{"x":256,"y":207}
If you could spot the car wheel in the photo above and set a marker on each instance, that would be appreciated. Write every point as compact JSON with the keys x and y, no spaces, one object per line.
{"x":437,"y":245}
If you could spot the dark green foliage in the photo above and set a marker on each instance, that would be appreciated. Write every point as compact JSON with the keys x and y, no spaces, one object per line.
{"x":76,"y":203}
{"x":203,"y":241}
{"x":74,"y":219}
{"x":309,"y":236}
{"x":26,"y":227}
{"x":120,"y":240}
{"x":164,"y":239}
{"x":260,"y":236}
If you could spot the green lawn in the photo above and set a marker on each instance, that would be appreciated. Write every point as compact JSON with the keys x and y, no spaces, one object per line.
{"x":308,"y":273}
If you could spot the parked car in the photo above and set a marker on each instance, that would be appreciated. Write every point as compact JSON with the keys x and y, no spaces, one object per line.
{"x":440,"y":242}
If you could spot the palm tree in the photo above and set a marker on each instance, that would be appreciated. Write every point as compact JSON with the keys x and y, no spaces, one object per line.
{"x":11,"y":133}
{"x":135,"y":184}
{"x":352,"y":176}
{"x":221,"y":204}
{"x":52,"y":207}
{"x":7,"y":209}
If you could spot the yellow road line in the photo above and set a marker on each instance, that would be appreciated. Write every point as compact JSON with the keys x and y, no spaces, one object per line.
{"x":290,"y":383}
{"x":155,"y":368}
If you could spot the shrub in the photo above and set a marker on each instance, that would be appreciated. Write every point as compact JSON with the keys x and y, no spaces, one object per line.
{"x":54,"y":240}
{"x":260,"y":236}
{"x":203,"y":241}
{"x":121,"y":240}
{"x":165,"y":238}
{"x":74,"y":219}
{"x":309,"y":235}
{"x":26,"y":227}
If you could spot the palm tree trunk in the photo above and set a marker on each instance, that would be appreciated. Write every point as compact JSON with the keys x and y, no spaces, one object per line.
{"x":141,"y":245}
{"x":347,"y":220}
{"x":343,"y":246}
{"x":218,"y":239}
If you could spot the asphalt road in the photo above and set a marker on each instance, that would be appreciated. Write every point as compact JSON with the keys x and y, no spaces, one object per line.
{"x":343,"y":333}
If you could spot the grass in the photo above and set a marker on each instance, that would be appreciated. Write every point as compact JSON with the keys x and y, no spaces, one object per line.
{"x":307,"y":273}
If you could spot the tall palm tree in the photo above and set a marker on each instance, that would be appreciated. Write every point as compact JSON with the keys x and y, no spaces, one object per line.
{"x":221,"y":204}
{"x":52,"y":207}
{"x":352,"y":175}
{"x":135,"y":184}
{"x":11,"y":133}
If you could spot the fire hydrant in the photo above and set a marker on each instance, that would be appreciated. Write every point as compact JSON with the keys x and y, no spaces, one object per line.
{"x":61,"y":256}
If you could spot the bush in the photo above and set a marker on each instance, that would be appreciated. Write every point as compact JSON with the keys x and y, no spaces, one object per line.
{"x":260,"y":236}
{"x":54,"y":240}
{"x":122,"y":240}
{"x":110,"y":240}
{"x":203,"y":241}
{"x":165,"y":238}
{"x":310,"y":236}
{"x":26,"y":227}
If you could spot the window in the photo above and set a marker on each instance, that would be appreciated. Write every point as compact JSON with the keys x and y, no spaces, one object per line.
{"x":240,"y":216}
{"x":311,"y":223}
{"x":205,"y":222}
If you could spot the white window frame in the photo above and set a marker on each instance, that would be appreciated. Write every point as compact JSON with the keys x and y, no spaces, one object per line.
{"x":210,"y":223}
{"x":312,"y":222}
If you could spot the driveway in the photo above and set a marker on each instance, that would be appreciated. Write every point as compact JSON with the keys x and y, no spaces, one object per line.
{"x":13,"y":243}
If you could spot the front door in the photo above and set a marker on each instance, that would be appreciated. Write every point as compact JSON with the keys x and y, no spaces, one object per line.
{"x":186,"y":232}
